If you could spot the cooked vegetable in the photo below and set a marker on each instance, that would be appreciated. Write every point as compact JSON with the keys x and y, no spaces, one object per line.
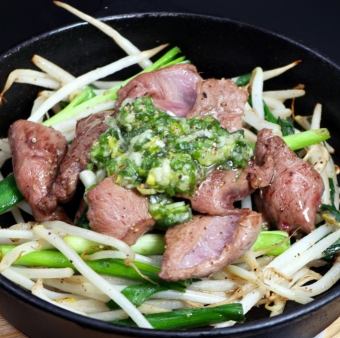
{"x":120,"y":40}
{"x":9,"y":194}
{"x":331,"y":190}
{"x":109,"y":267}
{"x":149,"y":244}
{"x":333,"y":250}
{"x":191,"y":318}
{"x":81,"y":245}
{"x":110,"y":94}
{"x":88,"y":78}
{"x":138,"y":294}
{"x":330,"y":214}
{"x":166,"y":212}
{"x":286,"y":125}
{"x":307,"y":138}
{"x":86,"y":94}
{"x":243,"y":80}
{"x":273,"y":243}
{"x":157,"y":153}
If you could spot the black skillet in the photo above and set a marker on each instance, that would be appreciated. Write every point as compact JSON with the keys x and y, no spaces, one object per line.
{"x":219,"y":48}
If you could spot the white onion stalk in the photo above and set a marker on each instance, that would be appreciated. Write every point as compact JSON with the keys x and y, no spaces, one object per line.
{"x":111,"y":254}
{"x":90,"y":77}
{"x":18,"y":279}
{"x":294,"y":295}
{"x":269,"y":74}
{"x":278,"y":109}
{"x":22,"y":226}
{"x":213,"y":285}
{"x":283,"y":291}
{"x":37,"y":273}
{"x":300,"y":277}
{"x":88,"y":178}
{"x":52,"y":69}
{"x":107,"y":84}
{"x":39,"y":292}
{"x":68,"y":126}
{"x":166,"y":304}
{"x":316,"y":118}
{"x":120,"y":281}
{"x":299,"y":247}
{"x":88,"y":306}
{"x":147,"y":308}
{"x":120,"y":40}
{"x":256,"y":91}
{"x":82,"y":288}
{"x":26,"y":283}
{"x":92,"y":276}
{"x":93,"y":236}
{"x":41,"y":98}
{"x":190,"y":295}
{"x":247,"y":275}
{"x":16,"y":234}
{"x":29,"y":76}
{"x":251,"y":118}
{"x":314,"y":252}
{"x":109,"y":316}
{"x":36,"y":105}
{"x":318,"y":156}
{"x":326,"y":282}
{"x":285,"y":94}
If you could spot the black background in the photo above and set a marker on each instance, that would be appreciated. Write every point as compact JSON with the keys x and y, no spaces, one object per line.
{"x":314,"y":23}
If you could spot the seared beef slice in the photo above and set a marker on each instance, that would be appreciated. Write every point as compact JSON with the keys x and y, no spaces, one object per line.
{"x":88,"y":131}
{"x":37,"y":152}
{"x":119,"y":212}
{"x":172,"y":88}
{"x":291,"y":189}
{"x":208,"y":243}
{"x":217,"y":193}
{"x":223,"y":100}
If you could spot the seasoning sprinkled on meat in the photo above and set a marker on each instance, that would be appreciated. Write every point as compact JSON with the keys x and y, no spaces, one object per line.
{"x":223,"y":100}
{"x":37,"y":152}
{"x":217,"y":193}
{"x":291,"y":189}
{"x":119,"y":212}
{"x":207,"y":243}
{"x":172,"y":88}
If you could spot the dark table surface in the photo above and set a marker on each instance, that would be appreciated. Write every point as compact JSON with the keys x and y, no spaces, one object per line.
{"x":314,"y":23}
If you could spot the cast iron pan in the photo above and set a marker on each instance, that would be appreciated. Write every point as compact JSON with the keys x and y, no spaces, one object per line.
{"x":219,"y":48}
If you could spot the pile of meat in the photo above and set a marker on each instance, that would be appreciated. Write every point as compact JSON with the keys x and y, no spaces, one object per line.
{"x":287,"y":189}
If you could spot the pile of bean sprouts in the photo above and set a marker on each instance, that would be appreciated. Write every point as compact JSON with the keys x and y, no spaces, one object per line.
{"x":255,"y":279}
